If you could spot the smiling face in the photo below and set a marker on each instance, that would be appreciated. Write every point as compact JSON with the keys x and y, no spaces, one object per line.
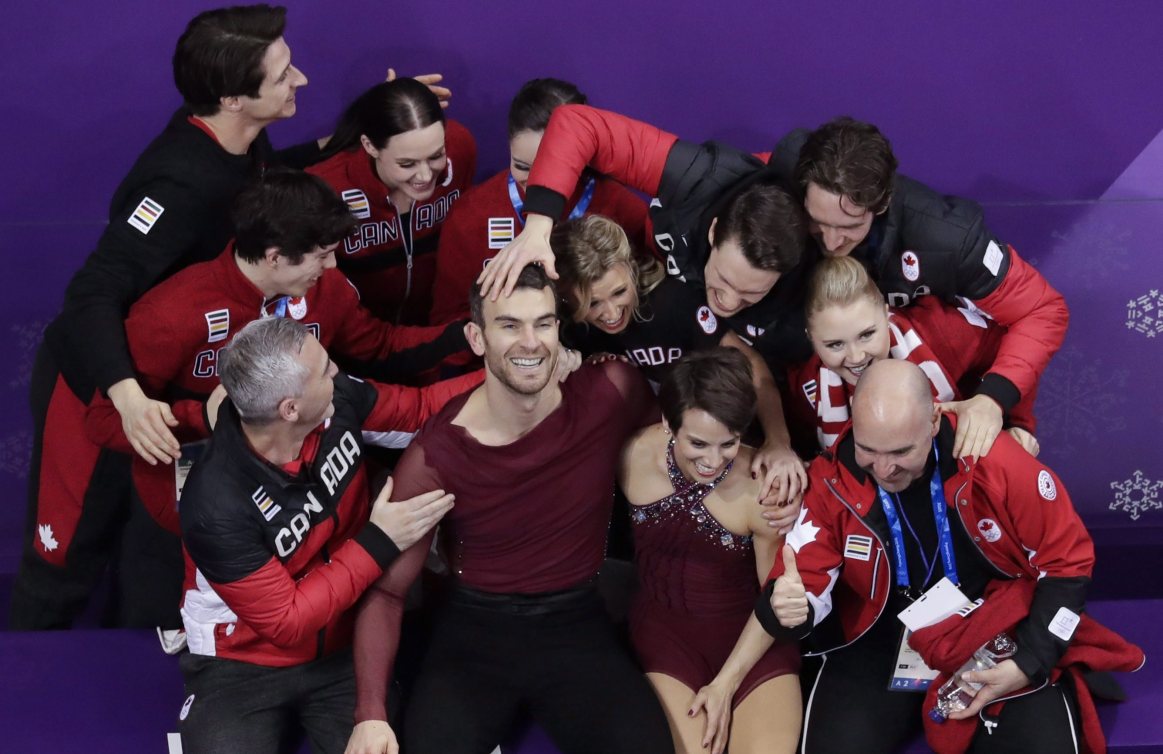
{"x":411,"y":163}
{"x":522,"y":150}
{"x":837,"y":224}
{"x":519,"y":339}
{"x":276,"y":96}
{"x":849,"y":338}
{"x":894,"y":447}
{"x":612,"y":300}
{"x":703,"y":446}
{"x":289,"y":279}
{"x":732,"y":283}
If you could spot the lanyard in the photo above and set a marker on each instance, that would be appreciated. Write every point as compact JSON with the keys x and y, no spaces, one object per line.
{"x":280,"y":308}
{"x":579,"y":209}
{"x":944,"y":534}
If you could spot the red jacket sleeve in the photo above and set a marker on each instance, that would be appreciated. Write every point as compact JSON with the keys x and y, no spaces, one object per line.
{"x":578,"y":136}
{"x":458,"y":261}
{"x":377,"y":621}
{"x":284,"y":611}
{"x":1035,"y":316}
{"x":405,"y":409}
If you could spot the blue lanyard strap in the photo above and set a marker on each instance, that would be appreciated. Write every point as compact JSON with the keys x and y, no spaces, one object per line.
{"x":579,"y":209}
{"x":280,"y":305}
{"x":944,"y":533}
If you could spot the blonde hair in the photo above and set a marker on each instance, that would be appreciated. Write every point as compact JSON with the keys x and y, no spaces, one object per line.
{"x":586,"y":249}
{"x":839,"y":281}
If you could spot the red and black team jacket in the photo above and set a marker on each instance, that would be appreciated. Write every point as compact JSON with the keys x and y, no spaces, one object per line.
{"x":177,"y":329}
{"x":689,"y":183}
{"x":274,"y":559}
{"x":171,"y":210}
{"x":930,"y":244}
{"x":1013,"y":509}
{"x":392,"y":259}
{"x":484,"y":221}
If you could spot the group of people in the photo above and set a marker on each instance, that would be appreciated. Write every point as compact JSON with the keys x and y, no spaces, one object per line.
{"x":770,"y":364}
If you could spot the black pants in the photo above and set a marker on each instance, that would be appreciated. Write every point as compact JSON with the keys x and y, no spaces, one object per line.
{"x":234,"y":706}
{"x":495,"y":657}
{"x":850,"y":709}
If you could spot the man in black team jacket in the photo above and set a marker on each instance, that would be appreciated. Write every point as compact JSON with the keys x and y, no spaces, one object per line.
{"x":234,"y":72}
{"x":279,"y":544}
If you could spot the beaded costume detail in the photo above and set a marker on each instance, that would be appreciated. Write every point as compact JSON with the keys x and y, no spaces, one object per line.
{"x":687,"y":500}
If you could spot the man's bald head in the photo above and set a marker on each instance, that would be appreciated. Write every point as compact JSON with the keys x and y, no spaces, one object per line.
{"x":893,"y":422}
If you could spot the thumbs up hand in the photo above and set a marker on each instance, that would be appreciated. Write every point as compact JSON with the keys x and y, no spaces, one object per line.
{"x":789,"y":600}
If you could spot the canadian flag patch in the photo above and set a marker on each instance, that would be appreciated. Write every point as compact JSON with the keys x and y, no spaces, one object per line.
{"x":910,"y":266}
{"x":989,"y":529}
{"x":707,"y":320}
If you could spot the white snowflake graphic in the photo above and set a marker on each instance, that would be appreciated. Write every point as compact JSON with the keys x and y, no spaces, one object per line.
{"x":16,"y":453}
{"x":1145,"y":314}
{"x":26,"y":336}
{"x":1136,"y":495}
{"x":1080,"y":398}
{"x":47,"y":540}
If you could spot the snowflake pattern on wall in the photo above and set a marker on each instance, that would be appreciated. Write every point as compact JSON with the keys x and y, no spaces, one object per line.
{"x":1136,"y":495}
{"x":1080,"y":398}
{"x":1145,"y":314}
{"x":25,"y":337}
{"x":16,"y":453}
{"x":1095,"y":240}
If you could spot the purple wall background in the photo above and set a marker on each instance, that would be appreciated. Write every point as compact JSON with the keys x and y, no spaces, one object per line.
{"x":1048,"y":112}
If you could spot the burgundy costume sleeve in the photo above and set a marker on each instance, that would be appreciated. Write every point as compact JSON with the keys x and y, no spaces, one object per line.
{"x":641,"y":405}
{"x":1036,"y":317}
{"x":578,"y":136}
{"x":378,"y":615}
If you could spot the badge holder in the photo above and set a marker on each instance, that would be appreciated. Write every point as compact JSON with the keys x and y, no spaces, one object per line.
{"x":910,"y":673}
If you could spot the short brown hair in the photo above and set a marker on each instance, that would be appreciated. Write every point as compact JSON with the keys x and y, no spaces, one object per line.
{"x":532,"y":277}
{"x":717,"y":381}
{"x":586,"y":248}
{"x":767,"y":224}
{"x":849,"y":158}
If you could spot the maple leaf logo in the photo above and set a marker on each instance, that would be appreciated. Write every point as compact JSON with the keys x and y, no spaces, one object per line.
{"x":46,"y":537}
{"x":910,"y":260}
{"x":985,"y":525}
{"x":703,"y":314}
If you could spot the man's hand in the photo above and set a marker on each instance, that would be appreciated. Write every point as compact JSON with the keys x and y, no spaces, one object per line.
{"x":789,"y":599}
{"x":530,"y":246}
{"x":568,"y":362}
{"x":146,"y":423}
{"x":785,"y":478}
{"x":372,"y":737}
{"x":407,"y":521}
{"x":996,"y":682}
{"x":979,"y":422}
{"x":1026,"y":440}
{"x":213,"y":403}
{"x":714,"y":699}
{"x":429,"y":80}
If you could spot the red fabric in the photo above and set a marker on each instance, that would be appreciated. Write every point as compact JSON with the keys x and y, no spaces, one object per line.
{"x":955,"y":347}
{"x":578,"y":136}
{"x":1001,"y":488}
{"x":373,"y":257}
{"x":174,"y":351}
{"x":946,"y":645}
{"x":464,"y":242}
{"x":1035,"y":316}
{"x":530,"y":516}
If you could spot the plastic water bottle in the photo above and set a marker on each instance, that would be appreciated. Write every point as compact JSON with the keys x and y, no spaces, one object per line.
{"x":956,"y":693}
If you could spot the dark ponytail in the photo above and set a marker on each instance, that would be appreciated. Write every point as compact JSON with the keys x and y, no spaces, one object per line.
{"x":387,"y":109}
{"x":536,"y":100}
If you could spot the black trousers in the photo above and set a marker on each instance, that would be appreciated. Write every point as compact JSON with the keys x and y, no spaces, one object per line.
{"x":850,"y":709}
{"x":493,"y":658}
{"x":234,"y":706}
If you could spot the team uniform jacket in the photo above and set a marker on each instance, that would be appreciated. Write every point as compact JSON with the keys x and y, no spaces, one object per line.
{"x":1013,"y":508}
{"x":177,"y":329}
{"x":172,"y":210}
{"x":275,"y":559}
{"x":929,"y":244}
{"x":690,"y":184}
{"x":674,"y":319}
{"x":953,"y":346}
{"x":485,"y":220}
{"x":390,"y":258}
